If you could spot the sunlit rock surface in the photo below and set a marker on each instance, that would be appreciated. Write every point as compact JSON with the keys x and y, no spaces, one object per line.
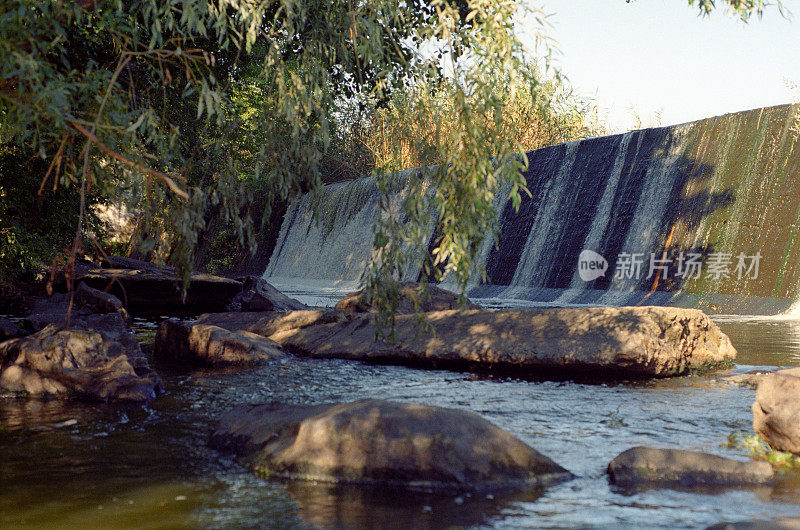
{"x":776,"y":411}
{"x":597,"y":343}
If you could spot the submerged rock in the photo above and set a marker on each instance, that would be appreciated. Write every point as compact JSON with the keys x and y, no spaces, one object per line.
{"x":80,"y":362}
{"x":206,"y":344}
{"x":674,"y":467}
{"x":594,"y":342}
{"x":258,"y":295}
{"x":776,"y":411}
{"x":749,"y":379}
{"x":374,"y":441}
{"x":414,"y":297}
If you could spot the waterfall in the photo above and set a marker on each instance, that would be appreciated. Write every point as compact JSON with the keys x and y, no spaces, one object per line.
{"x":722,"y":192}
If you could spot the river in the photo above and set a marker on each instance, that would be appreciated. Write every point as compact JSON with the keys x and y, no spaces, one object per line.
{"x":68,"y":464}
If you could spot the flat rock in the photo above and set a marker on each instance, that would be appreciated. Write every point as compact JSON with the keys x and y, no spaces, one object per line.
{"x":207,"y":344}
{"x":599,"y":343}
{"x":675,"y":467}
{"x":258,"y":295}
{"x":374,"y":441}
{"x":414,"y":297}
{"x":77,"y":362}
{"x":776,"y":411}
{"x":156,"y":292}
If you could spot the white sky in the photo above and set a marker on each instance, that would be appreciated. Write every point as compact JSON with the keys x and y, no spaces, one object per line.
{"x":654,"y":55}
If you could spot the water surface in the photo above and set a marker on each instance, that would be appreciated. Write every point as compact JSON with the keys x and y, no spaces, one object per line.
{"x":70,"y":464}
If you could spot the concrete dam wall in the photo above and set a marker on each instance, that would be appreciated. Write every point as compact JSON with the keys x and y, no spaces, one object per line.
{"x":704,"y":214}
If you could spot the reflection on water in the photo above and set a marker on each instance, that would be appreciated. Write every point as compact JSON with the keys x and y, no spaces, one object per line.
{"x":70,"y":464}
{"x":323,"y":506}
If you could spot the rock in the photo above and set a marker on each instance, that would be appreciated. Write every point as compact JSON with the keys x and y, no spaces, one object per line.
{"x":120,"y":262}
{"x":62,"y":308}
{"x":268,"y":323}
{"x":674,"y":467}
{"x":374,"y":441}
{"x":96,"y":301}
{"x":599,"y":343}
{"x":9,"y":330}
{"x":429,"y":298}
{"x":776,"y":411}
{"x":749,"y":379}
{"x":74,"y":361}
{"x":205,"y":344}
{"x":156,"y":292}
{"x":258,"y":295}
{"x":112,"y":326}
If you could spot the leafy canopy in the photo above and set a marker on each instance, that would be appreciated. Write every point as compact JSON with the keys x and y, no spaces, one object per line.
{"x":150,"y":100}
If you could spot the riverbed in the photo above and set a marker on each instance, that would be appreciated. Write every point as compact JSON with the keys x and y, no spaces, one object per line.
{"x":69,"y":464}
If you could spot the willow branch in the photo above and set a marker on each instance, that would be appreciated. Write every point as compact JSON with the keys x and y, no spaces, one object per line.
{"x":169,"y":180}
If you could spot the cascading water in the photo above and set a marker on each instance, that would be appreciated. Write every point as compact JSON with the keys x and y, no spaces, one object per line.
{"x":720,"y":194}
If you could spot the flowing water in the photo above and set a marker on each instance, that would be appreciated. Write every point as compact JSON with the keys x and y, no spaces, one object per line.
{"x":68,"y":464}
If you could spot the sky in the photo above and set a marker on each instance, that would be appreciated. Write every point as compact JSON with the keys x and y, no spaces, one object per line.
{"x":659,"y":56}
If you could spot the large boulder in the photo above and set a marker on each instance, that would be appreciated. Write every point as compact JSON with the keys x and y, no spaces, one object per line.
{"x":258,"y":295}
{"x":206,"y":344}
{"x":374,"y":441}
{"x":89,"y":310}
{"x":156,"y":292}
{"x":685,"y":469}
{"x":776,"y":411}
{"x":414,"y":298}
{"x":74,"y":361}
{"x":597,"y":343}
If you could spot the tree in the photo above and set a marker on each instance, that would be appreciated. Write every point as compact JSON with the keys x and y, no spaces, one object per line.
{"x":145,"y":96}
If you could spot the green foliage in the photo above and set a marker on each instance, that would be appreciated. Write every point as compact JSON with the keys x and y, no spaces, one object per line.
{"x":190,"y":108}
{"x":758,"y":449}
{"x":32,"y":229}
{"x":744,"y":9}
